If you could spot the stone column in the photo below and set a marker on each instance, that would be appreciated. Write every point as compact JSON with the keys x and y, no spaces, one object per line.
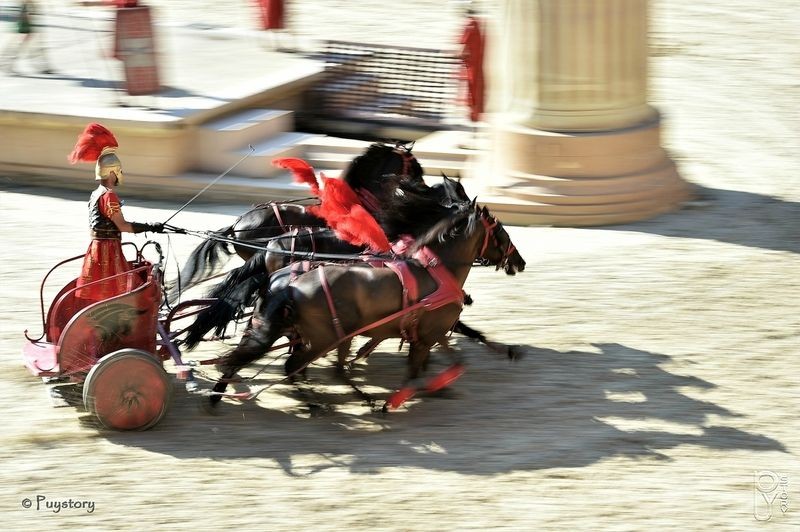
{"x":574,"y":139}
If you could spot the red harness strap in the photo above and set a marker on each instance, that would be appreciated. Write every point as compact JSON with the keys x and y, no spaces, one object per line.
{"x":278,"y":215}
{"x":327,"y":289}
{"x":295,"y":232}
{"x":447,"y":290}
{"x":368,"y":201}
{"x":410,"y":320}
{"x":300,"y":267}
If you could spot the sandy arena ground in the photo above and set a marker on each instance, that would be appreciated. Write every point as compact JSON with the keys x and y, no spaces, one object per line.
{"x":660,"y":357}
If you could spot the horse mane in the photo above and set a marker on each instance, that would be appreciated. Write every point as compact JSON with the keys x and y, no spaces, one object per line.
{"x":413,"y":208}
{"x":462,"y":220}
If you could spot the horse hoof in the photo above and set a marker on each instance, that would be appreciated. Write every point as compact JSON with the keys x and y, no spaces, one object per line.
{"x":319,"y":410}
{"x":209,"y":407}
{"x":514,"y":353}
{"x":399,"y":397}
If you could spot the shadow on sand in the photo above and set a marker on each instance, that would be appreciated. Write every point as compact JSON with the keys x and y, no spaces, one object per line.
{"x":551,"y":409}
{"x":733,"y":217}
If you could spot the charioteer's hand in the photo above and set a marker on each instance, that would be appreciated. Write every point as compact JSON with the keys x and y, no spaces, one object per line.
{"x":173,"y":229}
{"x":154,"y":227}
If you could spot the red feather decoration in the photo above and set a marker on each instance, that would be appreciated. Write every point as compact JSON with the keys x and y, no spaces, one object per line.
{"x":339,"y":207}
{"x":302,"y":172}
{"x":343,"y":212}
{"x":91,"y":143}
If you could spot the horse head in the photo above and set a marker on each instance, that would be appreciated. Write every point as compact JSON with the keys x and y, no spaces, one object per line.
{"x":450,"y":191}
{"x":497,"y":248}
{"x":372,"y":174}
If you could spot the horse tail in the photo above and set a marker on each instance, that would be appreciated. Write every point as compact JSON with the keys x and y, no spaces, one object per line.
{"x":271,"y":322}
{"x":230,"y":302}
{"x":204,"y":261}
{"x":255,"y":265}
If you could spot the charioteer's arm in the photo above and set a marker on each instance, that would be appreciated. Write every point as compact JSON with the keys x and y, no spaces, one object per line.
{"x":135,"y":227}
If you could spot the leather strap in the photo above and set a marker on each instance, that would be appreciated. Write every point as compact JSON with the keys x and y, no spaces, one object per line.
{"x":327,"y":289}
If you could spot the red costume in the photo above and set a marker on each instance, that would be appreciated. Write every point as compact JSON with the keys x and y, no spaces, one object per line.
{"x":104,"y":258}
{"x":272,"y":14}
{"x":473,"y":44}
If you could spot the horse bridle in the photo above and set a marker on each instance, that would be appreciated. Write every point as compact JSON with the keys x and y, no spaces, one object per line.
{"x":405,"y":153}
{"x":489,"y":224}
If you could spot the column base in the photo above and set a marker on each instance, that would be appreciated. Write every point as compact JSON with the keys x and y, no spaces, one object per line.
{"x":580,"y":179}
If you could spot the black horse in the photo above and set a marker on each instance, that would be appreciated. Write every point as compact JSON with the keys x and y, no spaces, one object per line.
{"x":408,"y":214}
{"x":372,"y":175}
{"x":411,"y":211}
{"x":326,"y":307}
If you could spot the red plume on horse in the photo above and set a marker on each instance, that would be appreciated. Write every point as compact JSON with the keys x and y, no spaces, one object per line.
{"x":339,"y":207}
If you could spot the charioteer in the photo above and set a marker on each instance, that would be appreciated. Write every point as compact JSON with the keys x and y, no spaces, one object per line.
{"x":104,"y":258}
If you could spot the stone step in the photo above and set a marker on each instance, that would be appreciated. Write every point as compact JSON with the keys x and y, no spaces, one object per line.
{"x":330,"y":144}
{"x":259,"y":163}
{"x":238,"y":130}
{"x":241,"y":188}
{"x":244,"y":127}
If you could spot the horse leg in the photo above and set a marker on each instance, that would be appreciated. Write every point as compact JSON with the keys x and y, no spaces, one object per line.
{"x":417,"y":357}
{"x":295,"y":368}
{"x":343,"y":369}
{"x":257,"y":339}
{"x":365,"y":350}
{"x":509,"y":350}
{"x":342,"y":350}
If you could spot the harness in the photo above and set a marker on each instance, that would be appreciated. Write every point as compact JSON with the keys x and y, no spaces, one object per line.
{"x":278,"y":217}
{"x":489,"y":226}
{"x":448,"y":290}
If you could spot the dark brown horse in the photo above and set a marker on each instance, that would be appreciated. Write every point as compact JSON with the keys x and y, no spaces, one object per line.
{"x":326,"y":307}
{"x":371,"y":175}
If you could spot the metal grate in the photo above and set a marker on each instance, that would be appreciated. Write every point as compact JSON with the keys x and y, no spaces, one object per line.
{"x":391,"y":84}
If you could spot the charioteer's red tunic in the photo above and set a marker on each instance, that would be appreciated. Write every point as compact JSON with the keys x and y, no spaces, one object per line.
{"x":104,"y":258}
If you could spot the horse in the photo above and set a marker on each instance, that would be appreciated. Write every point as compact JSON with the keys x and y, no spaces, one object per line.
{"x":410,"y":212}
{"x":329,"y":305}
{"x":371,"y":175}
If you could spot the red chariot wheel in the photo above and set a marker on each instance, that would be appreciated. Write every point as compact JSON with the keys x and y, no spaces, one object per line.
{"x":127,"y":390}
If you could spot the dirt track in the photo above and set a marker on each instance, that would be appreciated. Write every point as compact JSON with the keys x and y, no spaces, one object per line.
{"x":660,"y":368}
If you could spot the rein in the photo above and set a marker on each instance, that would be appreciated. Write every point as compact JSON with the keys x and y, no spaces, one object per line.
{"x":309,"y":255}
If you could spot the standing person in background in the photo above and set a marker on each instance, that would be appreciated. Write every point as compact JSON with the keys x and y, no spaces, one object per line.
{"x":25,"y":27}
{"x":104,"y":258}
{"x":473,"y":44}
{"x":272,"y":14}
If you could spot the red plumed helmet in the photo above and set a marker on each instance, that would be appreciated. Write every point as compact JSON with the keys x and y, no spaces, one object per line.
{"x":91,"y":143}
